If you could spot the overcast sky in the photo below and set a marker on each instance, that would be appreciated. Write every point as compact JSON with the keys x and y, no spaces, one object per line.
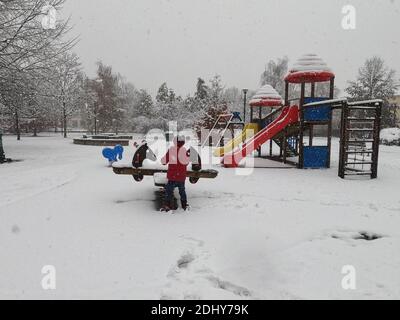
{"x":152,"y":41}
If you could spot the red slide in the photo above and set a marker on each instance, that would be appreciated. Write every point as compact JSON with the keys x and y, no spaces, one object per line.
{"x":289,"y":115}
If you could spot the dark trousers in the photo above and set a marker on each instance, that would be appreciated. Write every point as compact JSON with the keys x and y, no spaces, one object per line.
{"x":170,"y":187}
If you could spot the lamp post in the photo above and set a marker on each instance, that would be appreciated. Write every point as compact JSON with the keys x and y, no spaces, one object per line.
{"x":245,"y":91}
{"x":95,"y":118}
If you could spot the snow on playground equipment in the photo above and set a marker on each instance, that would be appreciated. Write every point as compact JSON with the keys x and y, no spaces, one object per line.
{"x":360,"y":126}
{"x":266,"y":96}
{"x":308,"y":71}
{"x":113,"y":155}
{"x":138,"y":169}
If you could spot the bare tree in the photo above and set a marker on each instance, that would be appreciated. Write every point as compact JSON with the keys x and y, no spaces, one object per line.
{"x":28,"y":50}
{"x":375,"y":81}
{"x":67,"y":86}
{"x":25,"y":44}
{"x":274,"y":74}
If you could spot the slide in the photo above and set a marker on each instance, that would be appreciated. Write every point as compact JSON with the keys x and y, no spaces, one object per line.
{"x":248,"y":132}
{"x":289,"y":115}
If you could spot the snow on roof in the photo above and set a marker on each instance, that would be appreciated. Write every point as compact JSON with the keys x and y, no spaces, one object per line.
{"x":267,"y":92}
{"x":309,"y":62}
{"x":374,"y":101}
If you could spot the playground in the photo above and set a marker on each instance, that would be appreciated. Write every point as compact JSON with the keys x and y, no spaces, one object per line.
{"x":289,"y":126}
{"x":201,"y":151}
{"x":269,"y":217}
{"x":277,"y":233}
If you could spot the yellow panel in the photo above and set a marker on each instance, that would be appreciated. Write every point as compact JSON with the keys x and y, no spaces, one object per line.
{"x":249,"y":131}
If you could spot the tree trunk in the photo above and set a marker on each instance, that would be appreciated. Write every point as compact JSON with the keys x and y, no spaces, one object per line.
{"x":2,"y":155}
{"x":64,"y":120}
{"x":34,"y":128}
{"x":17,"y":129}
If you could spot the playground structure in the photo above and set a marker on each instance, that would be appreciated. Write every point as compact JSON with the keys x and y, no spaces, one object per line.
{"x":265,"y":97}
{"x":292,"y":126}
{"x":113,"y":155}
{"x":138,"y":169}
{"x":223,"y":123}
{"x":360,"y":130}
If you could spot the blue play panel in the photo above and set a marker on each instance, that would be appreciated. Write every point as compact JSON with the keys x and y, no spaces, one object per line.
{"x":315,"y":114}
{"x":315,"y":157}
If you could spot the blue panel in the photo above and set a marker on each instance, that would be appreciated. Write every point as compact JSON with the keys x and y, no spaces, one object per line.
{"x":292,"y":142}
{"x":320,"y":113}
{"x":316,"y":157}
{"x":236,"y":116}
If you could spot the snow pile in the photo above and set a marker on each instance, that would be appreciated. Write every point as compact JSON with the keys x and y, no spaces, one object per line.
{"x":266,"y":93}
{"x":309,"y":62}
{"x":390,"y":136}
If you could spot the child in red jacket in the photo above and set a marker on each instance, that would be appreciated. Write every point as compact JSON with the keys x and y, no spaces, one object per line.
{"x":177,"y":159}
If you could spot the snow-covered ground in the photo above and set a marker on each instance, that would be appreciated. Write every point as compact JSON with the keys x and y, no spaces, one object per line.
{"x":276,"y":233}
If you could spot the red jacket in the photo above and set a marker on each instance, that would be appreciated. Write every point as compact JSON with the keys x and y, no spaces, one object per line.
{"x":177,"y":159}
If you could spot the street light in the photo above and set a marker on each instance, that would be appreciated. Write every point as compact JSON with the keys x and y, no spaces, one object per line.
{"x":95,"y":118}
{"x":245,"y":91}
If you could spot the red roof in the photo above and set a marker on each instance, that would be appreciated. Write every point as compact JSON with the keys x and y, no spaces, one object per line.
{"x":309,"y":76}
{"x":266,"y":103}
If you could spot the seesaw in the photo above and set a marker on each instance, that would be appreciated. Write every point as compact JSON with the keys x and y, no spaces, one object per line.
{"x":144,"y":152}
{"x":140,"y":172}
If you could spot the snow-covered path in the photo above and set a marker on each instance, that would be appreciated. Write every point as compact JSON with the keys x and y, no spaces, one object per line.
{"x":278,"y":233}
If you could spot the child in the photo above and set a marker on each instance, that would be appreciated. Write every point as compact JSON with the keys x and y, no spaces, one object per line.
{"x":177,"y":159}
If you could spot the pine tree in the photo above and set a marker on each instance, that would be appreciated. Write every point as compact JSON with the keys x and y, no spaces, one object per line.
{"x":216,"y":105}
{"x":201,"y":89}
{"x":145,"y":104}
{"x":163,"y":93}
